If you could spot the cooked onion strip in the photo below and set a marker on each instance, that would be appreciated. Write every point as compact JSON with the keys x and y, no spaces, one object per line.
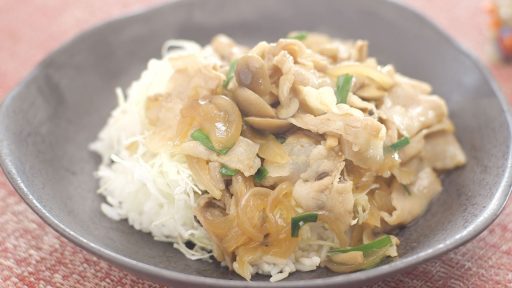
{"x":360,"y":70}
{"x":201,"y":175}
{"x":251,"y":209}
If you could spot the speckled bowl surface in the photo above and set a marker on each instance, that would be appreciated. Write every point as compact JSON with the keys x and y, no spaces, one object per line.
{"x":47,"y":122}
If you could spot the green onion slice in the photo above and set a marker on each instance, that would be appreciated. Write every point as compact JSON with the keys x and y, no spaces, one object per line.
{"x":203,"y":138}
{"x":231,"y":73}
{"x":301,"y":219}
{"x":223,"y":151}
{"x":301,"y":36}
{"x":281,"y":138}
{"x":343,"y":85}
{"x":404,"y":141}
{"x":373,"y":252}
{"x":383,"y":242}
{"x":227,"y":171}
{"x":260,"y":174}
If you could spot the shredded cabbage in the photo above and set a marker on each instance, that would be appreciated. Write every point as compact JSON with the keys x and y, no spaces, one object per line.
{"x":154,"y":192}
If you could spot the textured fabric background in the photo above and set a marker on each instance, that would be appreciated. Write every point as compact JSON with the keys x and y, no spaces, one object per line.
{"x":33,"y":255}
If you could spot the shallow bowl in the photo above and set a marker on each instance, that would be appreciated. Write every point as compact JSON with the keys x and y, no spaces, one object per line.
{"x":47,"y":122}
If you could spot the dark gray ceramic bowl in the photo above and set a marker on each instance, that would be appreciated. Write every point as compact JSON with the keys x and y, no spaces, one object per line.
{"x":47,"y":122}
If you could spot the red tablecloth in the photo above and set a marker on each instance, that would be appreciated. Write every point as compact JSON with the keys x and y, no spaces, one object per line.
{"x":33,"y":255}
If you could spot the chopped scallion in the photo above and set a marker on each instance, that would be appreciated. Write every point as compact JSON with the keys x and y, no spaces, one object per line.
{"x":260,"y":174}
{"x":377,"y":244}
{"x":231,"y":73}
{"x":227,"y":171}
{"x":281,"y":139}
{"x":301,"y":36}
{"x":223,"y":151}
{"x":301,"y":219}
{"x":203,"y":138}
{"x":343,"y":85}
{"x":404,"y":141}
{"x":373,"y":253}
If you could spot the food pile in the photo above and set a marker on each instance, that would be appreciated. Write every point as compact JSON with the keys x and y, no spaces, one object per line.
{"x":285,"y":156}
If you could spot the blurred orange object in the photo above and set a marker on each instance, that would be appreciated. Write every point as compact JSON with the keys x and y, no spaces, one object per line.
{"x":495,"y":19}
{"x":506,"y":42}
{"x":500,"y":13}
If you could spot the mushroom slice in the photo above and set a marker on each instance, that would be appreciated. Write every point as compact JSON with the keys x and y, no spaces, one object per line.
{"x":251,"y":72}
{"x":288,"y":110}
{"x":251,"y":104}
{"x":268,"y":124}
{"x":221,"y":121}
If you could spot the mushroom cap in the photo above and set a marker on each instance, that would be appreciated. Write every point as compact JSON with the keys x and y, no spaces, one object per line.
{"x":271,"y":125}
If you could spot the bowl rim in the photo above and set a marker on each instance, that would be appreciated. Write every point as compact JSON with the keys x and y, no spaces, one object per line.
{"x":163,"y":275}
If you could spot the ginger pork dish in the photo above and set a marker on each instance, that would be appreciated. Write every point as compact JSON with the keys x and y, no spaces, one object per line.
{"x":301,"y":154}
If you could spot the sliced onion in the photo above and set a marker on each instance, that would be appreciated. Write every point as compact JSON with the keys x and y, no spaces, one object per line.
{"x":270,"y":149}
{"x":273,"y":151}
{"x":250,"y":214}
{"x":239,"y":187}
{"x":201,"y":174}
{"x":360,"y":70}
{"x":370,"y":93}
{"x":214,"y":171}
{"x":251,"y":72}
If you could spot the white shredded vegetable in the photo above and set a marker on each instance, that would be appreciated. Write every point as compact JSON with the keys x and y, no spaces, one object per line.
{"x":154,"y":192}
